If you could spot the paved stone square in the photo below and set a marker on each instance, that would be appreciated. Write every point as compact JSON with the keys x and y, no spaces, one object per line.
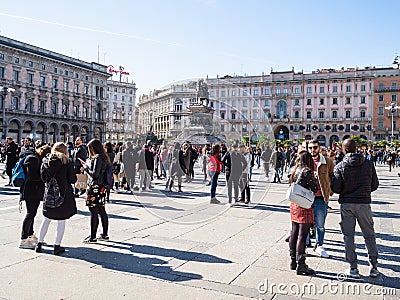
{"x":178,"y":246}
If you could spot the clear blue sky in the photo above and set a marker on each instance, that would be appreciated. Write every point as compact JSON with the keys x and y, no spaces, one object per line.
{"x":159,"y":42}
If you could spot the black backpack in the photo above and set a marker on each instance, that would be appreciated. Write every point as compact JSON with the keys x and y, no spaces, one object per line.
{"x":52,"y":196}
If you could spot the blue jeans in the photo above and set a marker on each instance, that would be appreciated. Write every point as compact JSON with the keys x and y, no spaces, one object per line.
{"x":214,"y":182}
{"x":320,"y":213}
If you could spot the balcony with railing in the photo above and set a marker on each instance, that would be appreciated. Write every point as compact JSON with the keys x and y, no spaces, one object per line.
{"x":387,"y":88}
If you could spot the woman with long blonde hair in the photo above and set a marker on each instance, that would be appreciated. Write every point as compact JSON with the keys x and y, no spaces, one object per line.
{"x":57,"y":165}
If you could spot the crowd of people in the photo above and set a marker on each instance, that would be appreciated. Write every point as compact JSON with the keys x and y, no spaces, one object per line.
{"x":132,"y":168}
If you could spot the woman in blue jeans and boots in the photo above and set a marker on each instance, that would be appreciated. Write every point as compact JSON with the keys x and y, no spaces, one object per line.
{"x":214,"y":167}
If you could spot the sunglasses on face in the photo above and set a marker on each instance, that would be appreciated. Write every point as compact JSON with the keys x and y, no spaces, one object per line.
{"x":313,"y":147}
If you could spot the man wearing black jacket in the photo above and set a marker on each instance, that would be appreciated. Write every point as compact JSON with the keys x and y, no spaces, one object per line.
{"x":354,"y":178}
{"x":79,"y":153}
{"x":12,"y":157}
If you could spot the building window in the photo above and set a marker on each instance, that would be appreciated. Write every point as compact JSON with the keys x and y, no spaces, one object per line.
{"x":334,"y":113}
{"x":15,"y":103}
{"x":363,"y":88}
{"x":321,"y":114}
{"x":1,"y":72}
{"x":394,"y":97}
{"x":362,"y":114}
{"x":255,"y":92}
{"x":222,"y":93}
{"x":380,"y":124}
{"x":1,"y":56}
{"x":55,"y":83}
{"x":65,"y":109}
{"x":296,"y":101}
{"x":86,"y":89}
{"x":16,"y":60}
{"x":297,"y":90}
{"x":54,"y":108}
{"x":212,"y":104}
{"x":348,"y":114}
{"x":308,"y":101}
{"x":55,"y":70}
{"x":321,"y":101}
{"x":308,"y":128}
{"x":347,"y":129}
{"x":266,"y":102}
{"x":233,"y":116}
{"x":266,"y":92}
{"x":85,"y":112}
{"x":43,"y":67}
{"x":348,"y":88}
{"x":308,"y":114}
{"x":76,"y":110}
{"x":296,"y":114}
{"x":285,"y":90}
{"x":16,"y":75}
{"x":244,"y":92}
{"x":380,"y":110}
{"x":362,"y":127}
{"x":30,"y":63}
{"x":244,"y":103}
{"x":30,"y":78}
{"x":76,"y":88}
{"x":334,"y":89}
{"x":222,"y":115}
{"x":43,"y":81}
{"x":348,"y":100}
{"x":334,"y":101}
{"x":309,"y":90}
{"x":334,"y":127}
{"x":29,"y":105}
{"x":42,"y":107}
{"x":362,"y":99}
{"x":233,"y":92}
{"x":321,"y":90}
{"x":281,"y":109}
{"x":380,"y":98}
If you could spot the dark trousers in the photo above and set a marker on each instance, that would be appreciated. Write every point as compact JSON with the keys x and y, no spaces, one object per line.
{"x":214,"y":182}
{"x":276,"y":176}
{"x":245,"y":187}
{"x":95,"y":211}
{"x":9,"y":168}
{"x":31,"y":210}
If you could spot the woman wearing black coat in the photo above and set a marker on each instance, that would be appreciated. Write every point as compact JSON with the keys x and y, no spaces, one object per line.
{"x":97,"y":190}
{"x":58,"y":165}
{"x":32,"y":193}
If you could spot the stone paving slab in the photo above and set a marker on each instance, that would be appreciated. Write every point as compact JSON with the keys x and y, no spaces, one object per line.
{"x":181,"y":247}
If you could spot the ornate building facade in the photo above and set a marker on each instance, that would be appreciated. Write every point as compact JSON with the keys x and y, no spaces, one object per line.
{"x":120,"y":116}
{"x":162,"y":111}
{"x":328,"y":105}
{"x":56,"y":97}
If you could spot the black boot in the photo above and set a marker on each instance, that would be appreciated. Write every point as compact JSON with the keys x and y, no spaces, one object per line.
{"x":180,"y":189}
{"x":293,"y":262}
{"x":58,"y":250}
{"x":302,"y":268}
{"x":38,"y":247}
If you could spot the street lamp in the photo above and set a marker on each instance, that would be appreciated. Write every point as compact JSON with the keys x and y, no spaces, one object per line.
{"x":392,"y":108}
{"x":4,"y":91}
{"x":396,"y":63}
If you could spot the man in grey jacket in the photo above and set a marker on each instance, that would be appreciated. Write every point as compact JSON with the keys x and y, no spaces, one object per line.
{"x":130,"y":158}
{"x":354,"y":178}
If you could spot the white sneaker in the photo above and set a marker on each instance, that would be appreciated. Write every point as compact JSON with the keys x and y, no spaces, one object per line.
{"x":140,"y":190}
{"x":33,"y":238}
{"x":148,"y":190}
{"x":27,"y":244}
{"x":321,"y":252}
